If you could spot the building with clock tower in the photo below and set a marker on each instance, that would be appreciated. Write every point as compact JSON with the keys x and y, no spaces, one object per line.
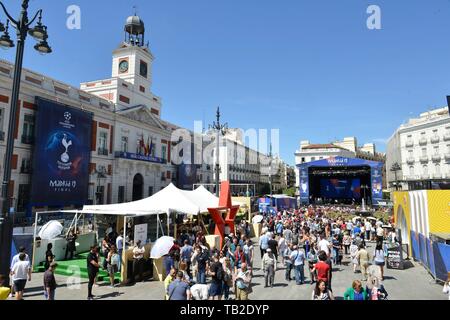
{"x":130,"y":84}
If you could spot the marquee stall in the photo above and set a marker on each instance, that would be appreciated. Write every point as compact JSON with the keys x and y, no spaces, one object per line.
{"x":167,"y":201}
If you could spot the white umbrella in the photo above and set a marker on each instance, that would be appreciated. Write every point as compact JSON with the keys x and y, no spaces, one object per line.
{"x":161,"y":247}
{"x":51,"y":230}
{"x":257,"y":219}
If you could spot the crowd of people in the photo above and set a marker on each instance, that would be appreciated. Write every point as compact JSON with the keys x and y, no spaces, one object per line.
{"x":304,"y":244}
{"x":291,"y":240}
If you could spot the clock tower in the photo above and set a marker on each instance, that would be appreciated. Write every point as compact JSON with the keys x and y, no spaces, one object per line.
{"x":130,"y":84}
{"x":132,"y":60}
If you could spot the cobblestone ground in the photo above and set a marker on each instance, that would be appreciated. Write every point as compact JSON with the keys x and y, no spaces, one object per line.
{"x":414,"y":283}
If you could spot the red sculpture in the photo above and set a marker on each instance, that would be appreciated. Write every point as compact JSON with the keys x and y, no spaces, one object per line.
{"x":225,"y":205}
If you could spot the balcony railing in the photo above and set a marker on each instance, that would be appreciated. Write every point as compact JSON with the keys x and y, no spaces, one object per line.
{"x":425,"y":176}
{"x":423,"y":141}
{"x":447,"y":137}
{"x":410,"y":161}
{"x":436,"y":158}
{"x":409,"y":143}
{"x":27,"y":139}
{"x":437,"y":176}
{"x":424,"y":159}
{"x":434,"y":139}
{"x":102,"y":152}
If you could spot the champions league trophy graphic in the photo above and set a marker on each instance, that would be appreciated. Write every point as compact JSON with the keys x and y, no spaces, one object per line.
{"x":65,"y":156}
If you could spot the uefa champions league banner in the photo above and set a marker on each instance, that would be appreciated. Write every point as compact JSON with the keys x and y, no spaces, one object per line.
{"x":61,"y":155}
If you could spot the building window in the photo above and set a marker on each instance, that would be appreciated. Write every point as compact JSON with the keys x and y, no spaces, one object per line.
{"x":26,"y":166}
{"x":424,"y":152}
{"x":103,"y":143}
{"x":121,"y":197}
{"x":425,"y":169}
{"x":124,"y":144}
{"x":100,"y":195}
{"x":2,"y":114}
{"x":411,"y":170}
{"x":436,"y":150}
{"x":437,"y":169}
{"x":303,"y":159}
{"x":313,"y":158}
{"x":28,"y":129}
{"x":150,"y":191}
{"x":163,"y":151}
{"x":23,"y":196}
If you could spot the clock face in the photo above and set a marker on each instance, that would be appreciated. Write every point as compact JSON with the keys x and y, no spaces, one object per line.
{"x":123,"y":66}
{"x":143,"y":69}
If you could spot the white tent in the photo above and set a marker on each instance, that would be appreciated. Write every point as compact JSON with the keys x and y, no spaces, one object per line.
{"x":170,"y":199}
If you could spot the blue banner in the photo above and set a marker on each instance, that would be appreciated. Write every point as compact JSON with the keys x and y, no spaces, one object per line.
{"x":140,"y":157}
{"x":304,"y":183}
{"x":187,"y":176}
{"x":62,"y":155}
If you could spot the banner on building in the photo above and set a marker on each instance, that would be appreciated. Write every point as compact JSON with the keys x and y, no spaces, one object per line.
{"x":187,"y":176}
{"x":61,"y":155}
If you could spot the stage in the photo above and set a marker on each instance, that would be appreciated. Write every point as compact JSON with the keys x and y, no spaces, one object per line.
{"x":341,"y":180}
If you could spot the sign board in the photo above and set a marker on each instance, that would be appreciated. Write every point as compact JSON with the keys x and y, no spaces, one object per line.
{"x":395,"y":258}
{"x":62,"y":154}
{"x":140,"y":233}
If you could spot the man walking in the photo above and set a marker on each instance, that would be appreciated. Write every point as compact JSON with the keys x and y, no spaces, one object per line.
{"x":263,"y":244}
{"x":186,"y":255}
{"x":21,"y":271}
{"x":243,"y":282}
{"x":50,"y":282}
{"x":363,"y":257}
{"x":288,"y":262}
{"x":93,"y":266}
{"x":298,"y":259}
{"x":269,"y":266}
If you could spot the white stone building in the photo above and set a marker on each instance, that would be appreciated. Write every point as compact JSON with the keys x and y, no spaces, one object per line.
{"x":421,"y":148}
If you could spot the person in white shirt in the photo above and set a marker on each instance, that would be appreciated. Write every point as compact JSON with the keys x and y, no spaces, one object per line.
{"x":15,"y":259}
{"x":138,"y":259}
{"x":368,"y":227}
{"x":324,"y":245}
{"x":119,"y":246}
{"x":21,"y":271}
{"x":200,"y":291}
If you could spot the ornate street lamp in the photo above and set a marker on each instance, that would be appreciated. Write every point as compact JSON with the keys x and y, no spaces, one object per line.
{"x":220,"y":129}
{"x":39,"y":32}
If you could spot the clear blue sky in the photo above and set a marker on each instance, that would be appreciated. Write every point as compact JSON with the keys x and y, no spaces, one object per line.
{"x":310,"y":68}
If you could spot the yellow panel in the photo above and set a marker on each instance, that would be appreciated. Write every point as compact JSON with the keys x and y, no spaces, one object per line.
{"x":439,"y":210}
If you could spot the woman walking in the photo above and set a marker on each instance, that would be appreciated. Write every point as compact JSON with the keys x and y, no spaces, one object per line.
{"x":379,"y":258}
{"x":112,"y":264}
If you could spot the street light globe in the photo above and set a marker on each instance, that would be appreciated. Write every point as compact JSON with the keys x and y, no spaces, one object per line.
{"x":39,"y":32}
{"x":43,"y":48}
{"x":6,"y":42}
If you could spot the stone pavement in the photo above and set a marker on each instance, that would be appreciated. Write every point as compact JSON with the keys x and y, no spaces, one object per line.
{"x":414,"y":283}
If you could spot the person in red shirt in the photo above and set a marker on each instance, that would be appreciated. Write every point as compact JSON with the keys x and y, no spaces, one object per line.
{"x":323,"y":269}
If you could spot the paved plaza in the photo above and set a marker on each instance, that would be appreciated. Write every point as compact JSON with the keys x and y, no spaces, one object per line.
{"x":414,"y":283}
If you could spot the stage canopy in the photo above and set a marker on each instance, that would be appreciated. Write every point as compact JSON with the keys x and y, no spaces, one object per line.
{"x":170,"y":199}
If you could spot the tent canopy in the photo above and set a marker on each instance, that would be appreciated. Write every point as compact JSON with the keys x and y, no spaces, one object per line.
{"x":170,"y":199}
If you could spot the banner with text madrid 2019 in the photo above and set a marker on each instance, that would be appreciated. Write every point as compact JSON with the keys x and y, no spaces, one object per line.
{"x":61,"y":156}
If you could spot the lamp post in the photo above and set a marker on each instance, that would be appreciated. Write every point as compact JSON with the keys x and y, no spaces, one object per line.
{"x":220,"y":129}
{"x":395,"y":167}
{"x":39,"y":33}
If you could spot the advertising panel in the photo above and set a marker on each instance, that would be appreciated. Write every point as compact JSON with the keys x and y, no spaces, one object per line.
{"x":187,"y":176}
{"x":62,"y":154}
